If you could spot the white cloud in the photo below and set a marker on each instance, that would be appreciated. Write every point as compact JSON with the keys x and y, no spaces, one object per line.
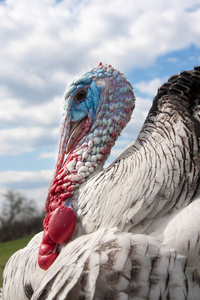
{"x":19,"y":140}
{"x":48,"y":155}
{"x":28,"y":127}
{"x":44,"y":43}
{"x":150,"y":88}
{"x":25,"y":176}
{"x":72,"y":35}
{"x":33,"y":184}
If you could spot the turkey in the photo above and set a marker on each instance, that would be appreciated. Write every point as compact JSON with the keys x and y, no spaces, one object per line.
{"x":132,"y":230}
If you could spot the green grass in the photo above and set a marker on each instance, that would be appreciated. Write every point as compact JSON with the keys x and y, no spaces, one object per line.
{"x":8,"y":248}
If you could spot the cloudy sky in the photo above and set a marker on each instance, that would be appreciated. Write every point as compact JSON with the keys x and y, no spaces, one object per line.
{"x":45,"y":43}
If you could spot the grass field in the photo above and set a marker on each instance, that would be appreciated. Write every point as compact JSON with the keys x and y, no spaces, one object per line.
{"x":8,"y":248}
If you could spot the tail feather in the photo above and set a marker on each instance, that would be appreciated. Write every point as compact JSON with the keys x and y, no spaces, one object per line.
{"x":185,"y":85}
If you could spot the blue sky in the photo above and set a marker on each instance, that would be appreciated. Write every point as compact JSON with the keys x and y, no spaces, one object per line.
{"x":45,"y":43}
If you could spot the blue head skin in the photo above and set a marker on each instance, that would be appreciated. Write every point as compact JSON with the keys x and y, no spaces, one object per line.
{"x":84,"y":96}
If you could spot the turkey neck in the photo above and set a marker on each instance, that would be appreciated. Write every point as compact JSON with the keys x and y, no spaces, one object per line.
{"x":79,"y":165}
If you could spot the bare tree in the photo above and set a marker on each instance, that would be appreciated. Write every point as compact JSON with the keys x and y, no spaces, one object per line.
{"x":17,"y":207}
{"x":19,"y":216}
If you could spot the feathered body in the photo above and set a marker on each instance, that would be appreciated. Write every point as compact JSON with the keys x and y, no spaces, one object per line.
{"x":137,"y":232}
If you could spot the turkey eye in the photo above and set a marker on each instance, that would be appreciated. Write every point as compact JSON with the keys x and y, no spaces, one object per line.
{"x":81,"y":95}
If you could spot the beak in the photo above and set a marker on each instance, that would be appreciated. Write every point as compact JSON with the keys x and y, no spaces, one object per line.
{"x":69,"y":134}
{"x":75,"y":131}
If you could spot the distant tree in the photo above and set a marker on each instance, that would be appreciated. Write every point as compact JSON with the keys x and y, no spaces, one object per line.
{"x":19,"y":216}
{"x":17,"y":207}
